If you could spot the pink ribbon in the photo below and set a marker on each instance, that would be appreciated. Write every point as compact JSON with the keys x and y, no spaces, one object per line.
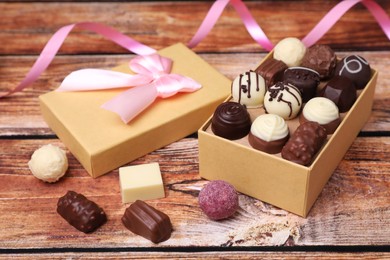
{"x":153,"y":79}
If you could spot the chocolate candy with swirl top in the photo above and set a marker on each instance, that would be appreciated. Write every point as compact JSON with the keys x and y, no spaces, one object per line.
{"x":148,"y":222}
{"x":82,"y":213}
{"x":356,"y":68}
{"x":304,"y":143}
{"x":231,"y":121}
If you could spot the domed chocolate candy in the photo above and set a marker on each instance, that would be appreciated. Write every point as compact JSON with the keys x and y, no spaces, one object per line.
{"x":272,"y":71}
{"x":341,"y":91}
{"x":320,"y":58}
{"x":322,"y":111}
{"x":248,"y":89}
{"x":305,"y":79}
{"x":268,"y":133}
{"x":355,"y":68}
{"x":231,"y":121}
{"x":290,"y":51}
{"x":283,"y":100}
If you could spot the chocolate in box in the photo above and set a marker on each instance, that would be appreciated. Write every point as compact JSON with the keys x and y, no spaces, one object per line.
{"x":272,"y":179}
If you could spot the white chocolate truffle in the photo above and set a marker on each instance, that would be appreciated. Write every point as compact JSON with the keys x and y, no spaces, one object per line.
{"x":269,"y":127}
{"x":49,"y":163}
{"x":283,"y":100}
{"x":290,"y":50}
{"x":320,"y":110}
{"x":248,"y":89}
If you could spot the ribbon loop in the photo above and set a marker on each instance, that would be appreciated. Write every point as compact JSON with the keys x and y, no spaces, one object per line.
{"x":153,"y":79}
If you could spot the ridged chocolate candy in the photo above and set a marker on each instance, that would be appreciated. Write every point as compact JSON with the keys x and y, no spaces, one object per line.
{"x":148,"y":222}
{"x":272,"y":71}
{"x":80,"y":212}
{"x":304,"y":143}
{"x":231,"y":121}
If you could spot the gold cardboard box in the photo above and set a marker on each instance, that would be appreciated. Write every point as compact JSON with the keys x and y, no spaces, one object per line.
{"x":273,"y":179}
{"x":102,"y":142}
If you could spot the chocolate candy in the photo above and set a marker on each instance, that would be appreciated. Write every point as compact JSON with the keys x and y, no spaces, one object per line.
{"x":320,"y":58}
{"x":148,"y":222}
{"x":231,"y":121}
{"x":355,"y":68}
{"x":283,"y":100}
{"x":272,"y":71}
{"x":306,"y":80}
{"x":290,"y":50}
{"x":248,"y":89}
{"x":268,"y":133}
{"x":341,"y":91}
{"x":218,"y":200}
{"x":80,"y":212}
{"x":304,"y":143}
{"x":322,"y":111}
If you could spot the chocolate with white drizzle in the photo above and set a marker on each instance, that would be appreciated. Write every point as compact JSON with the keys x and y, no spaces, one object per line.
{"x":283,"y":99}
{"x":356,"y":68}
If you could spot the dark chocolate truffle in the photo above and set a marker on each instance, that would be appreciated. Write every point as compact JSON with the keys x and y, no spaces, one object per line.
{"x":320,"y":58}
{"x":272,"y":71}
{"x":148,"y":222}
{"x":356,"y":68}
{"x":305,"y":79}
{"x":341,"y":91}
{"x":80,"y":212}
{"x":231,"y":121}
{"x":304,"y":143}
{"x":218,"y":200}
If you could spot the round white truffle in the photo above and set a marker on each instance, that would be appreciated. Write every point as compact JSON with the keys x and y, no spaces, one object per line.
{"x":283,"y":100}
{"x":290,"y":50}
{"x":269,"y":127}
{"x":320,"y":110}
{"x":248,"y":89}
{"x":49,"y":163}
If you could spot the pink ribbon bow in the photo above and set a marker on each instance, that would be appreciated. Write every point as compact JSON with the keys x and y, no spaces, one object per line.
{"x":153,"y":79}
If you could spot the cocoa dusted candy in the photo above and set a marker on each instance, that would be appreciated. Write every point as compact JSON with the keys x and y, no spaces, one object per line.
{"x":304,"y":143}
{"x":82,"y":213}
{"x":148,"y":222}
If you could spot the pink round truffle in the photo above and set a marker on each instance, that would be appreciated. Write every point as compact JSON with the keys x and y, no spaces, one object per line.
{"x":218,"y":200}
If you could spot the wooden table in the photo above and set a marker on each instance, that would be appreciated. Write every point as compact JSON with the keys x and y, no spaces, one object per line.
{"x":351,"y":217}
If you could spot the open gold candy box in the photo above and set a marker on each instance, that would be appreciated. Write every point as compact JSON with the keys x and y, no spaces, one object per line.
{"x":273,"y":179}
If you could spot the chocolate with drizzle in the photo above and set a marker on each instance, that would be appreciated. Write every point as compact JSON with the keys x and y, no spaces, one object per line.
{"x":276,"y":92}
{"x":246,"y":88}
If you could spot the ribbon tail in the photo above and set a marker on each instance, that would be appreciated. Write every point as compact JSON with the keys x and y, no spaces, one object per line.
{"x":132,"y":102}
{"x":98,"y":79}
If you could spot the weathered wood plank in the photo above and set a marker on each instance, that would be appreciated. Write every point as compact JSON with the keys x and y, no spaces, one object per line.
{"x":20,"y":114}
{"x":207,"y":255}
{"x":343,"y":214}
{"x":26,"y":27}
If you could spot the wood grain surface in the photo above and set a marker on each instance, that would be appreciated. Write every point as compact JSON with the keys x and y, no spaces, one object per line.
{"x":350,"y":219}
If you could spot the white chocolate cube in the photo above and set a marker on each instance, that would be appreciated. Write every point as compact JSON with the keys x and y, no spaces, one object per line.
{"x":141,"y":182}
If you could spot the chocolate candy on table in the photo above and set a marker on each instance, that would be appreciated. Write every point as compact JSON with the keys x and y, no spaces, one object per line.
{"x":320,"y":58}
{"x":305,"y":142}
{"x":82,"y":213}
{"x":231,"y":121}
{"x":341,"y":91}
{"x":248,"y":89}
{"x":305,"y":79}
{"x":272,"y":71}
{"x":148,"y":222}
{"x":356,"y":68}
